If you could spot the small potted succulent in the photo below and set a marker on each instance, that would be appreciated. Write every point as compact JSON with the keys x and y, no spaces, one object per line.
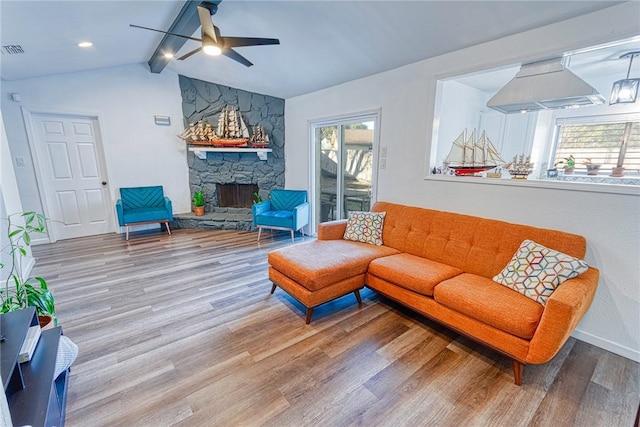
{"x":592,"y":168}
{"x":198,"y":203}
{"x":568,"y":164}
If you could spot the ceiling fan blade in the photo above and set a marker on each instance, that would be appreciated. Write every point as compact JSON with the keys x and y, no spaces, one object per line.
{"x":207,"y":24}
{"x":186,"y":55}
{"x":165,"y":32}
{"x":230,"y":53}
{"x":248,"y":41}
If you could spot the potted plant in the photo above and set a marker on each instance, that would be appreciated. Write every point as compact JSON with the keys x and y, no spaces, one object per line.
{"x":592,"y":168}
{"x":198,"y":203}
{"x":568,"y":164}
{"x":18,"y":291}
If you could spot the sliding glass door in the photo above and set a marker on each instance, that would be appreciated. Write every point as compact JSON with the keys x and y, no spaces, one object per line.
{"x":343,"y":166}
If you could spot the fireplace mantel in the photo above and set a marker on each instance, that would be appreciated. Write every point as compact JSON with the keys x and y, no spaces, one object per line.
{"x":201,"y":152}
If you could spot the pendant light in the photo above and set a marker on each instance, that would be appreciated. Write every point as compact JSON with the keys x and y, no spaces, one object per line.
{"x":626,"y":90}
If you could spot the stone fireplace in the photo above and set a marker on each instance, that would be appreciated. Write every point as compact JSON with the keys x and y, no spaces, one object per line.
{"x":224,"y":171}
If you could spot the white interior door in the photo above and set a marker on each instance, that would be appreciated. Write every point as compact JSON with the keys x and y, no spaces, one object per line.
{"x":72,"y":174}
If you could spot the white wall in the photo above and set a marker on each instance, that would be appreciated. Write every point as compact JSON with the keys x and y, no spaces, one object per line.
{"x":461,"y":106}
{"x":610,"y":222}
{"x":9,"y":202}
{"x":137,"y":151}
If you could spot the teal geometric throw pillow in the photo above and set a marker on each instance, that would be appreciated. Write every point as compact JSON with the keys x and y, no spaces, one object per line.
{"x":536,"y":271}
{"x":365,"y":227}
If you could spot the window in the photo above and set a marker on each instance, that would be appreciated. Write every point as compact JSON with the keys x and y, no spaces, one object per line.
{"x":603,"y":140}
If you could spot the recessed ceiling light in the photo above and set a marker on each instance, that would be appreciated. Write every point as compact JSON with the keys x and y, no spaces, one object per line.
{"x":85,"y":44}
{"x":168,"y":55}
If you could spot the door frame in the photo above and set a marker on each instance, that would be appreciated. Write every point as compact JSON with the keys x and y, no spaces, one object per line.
{"x":337,"y":120}
{"x":45,"y":199}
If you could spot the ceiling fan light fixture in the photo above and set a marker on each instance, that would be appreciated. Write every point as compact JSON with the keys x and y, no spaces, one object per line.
{"x":168,"y":55}
{"x":85,"y":44}
{"x":211,"y":49}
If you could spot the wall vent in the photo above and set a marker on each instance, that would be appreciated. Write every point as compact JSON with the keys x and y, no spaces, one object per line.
{"x":12,"y":49}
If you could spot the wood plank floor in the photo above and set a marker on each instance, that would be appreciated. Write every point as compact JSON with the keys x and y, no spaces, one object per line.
{"x":182,"y":330}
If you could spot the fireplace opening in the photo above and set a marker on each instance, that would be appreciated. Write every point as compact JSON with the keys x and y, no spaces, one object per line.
{"x":235,"y":195}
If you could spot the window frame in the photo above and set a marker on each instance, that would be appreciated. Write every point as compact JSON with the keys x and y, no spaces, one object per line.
{"x":560,"y":120}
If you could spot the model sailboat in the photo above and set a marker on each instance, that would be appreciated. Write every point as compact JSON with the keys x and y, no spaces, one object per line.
{"x":259,"y":138}
{"x":468,"y":155}
{"x":231,"y":130}
{"x":520,"y":168}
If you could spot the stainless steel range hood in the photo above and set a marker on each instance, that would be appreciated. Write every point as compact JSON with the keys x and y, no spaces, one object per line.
{"x":544,"y":85}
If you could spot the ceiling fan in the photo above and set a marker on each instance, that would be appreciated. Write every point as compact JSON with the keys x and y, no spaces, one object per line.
{"x":215,"y":44}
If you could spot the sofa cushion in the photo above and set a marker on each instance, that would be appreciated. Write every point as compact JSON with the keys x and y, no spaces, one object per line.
{"x":484,"y":300}
{"x":145,"y":215}
{"x":365,"y":227}
{"x":536,"y":271}
{"x":411,"y":272}
{"x":318,"y":264}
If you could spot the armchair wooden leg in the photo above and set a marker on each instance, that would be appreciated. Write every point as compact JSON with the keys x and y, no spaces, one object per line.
{"x":517,"y":372}
{"x":273,"y":288}
{"x":166,"y":224}
{"x":292,"y":237}
{"x":259,"y":232}
{"x":126,"y":231}
{"x":309,"y":313}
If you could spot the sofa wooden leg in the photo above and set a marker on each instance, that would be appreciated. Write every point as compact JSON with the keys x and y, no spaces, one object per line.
{"x":166,"y":224}
{"x":259,"y":233}
{"x":357,"y":294}
{"x":273,"y":288}
{"x":517,"y":372}
{"x":309,"y":313}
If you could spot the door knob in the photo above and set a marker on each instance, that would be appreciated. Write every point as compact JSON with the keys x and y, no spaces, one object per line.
{"x":104,"y":182}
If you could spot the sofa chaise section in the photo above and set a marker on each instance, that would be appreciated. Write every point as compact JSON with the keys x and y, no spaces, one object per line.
{"x":317,"y":272}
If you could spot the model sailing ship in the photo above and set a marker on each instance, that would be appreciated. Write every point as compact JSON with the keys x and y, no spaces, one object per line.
{"x":258,"y":139}
{"x":468,"y":156}
{"x":230,"y":132}
{"x":520,"y":168}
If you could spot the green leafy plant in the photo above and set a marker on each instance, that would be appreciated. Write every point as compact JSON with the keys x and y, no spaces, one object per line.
{"x":567,"y":162}
{"x":257,"y":198}
{"x":198,"y":198}
{"x":19,"y":292}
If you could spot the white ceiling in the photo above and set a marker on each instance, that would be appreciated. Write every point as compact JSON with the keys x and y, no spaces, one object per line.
{"x":323,"y":43}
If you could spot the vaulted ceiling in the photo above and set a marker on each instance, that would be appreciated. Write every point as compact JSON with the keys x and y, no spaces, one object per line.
{"x":323,"y":43}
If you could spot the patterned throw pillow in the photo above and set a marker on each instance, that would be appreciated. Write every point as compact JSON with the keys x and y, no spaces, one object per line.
{"x":536,"y":271}
{"x":365,"y":227}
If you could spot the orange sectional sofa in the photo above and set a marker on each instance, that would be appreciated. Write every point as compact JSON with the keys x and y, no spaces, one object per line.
{"x":441,"y":265}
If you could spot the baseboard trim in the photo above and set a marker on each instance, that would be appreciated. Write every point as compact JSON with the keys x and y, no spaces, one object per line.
{"x":611,"y":346}
{"x":40,"y":241}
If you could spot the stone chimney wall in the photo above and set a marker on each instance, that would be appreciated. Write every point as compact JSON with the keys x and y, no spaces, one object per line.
{"x":204,"y":101}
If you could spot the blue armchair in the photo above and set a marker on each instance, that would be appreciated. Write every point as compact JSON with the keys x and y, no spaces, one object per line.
{"x":285,"y":210}
{"x":143,"y":205}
